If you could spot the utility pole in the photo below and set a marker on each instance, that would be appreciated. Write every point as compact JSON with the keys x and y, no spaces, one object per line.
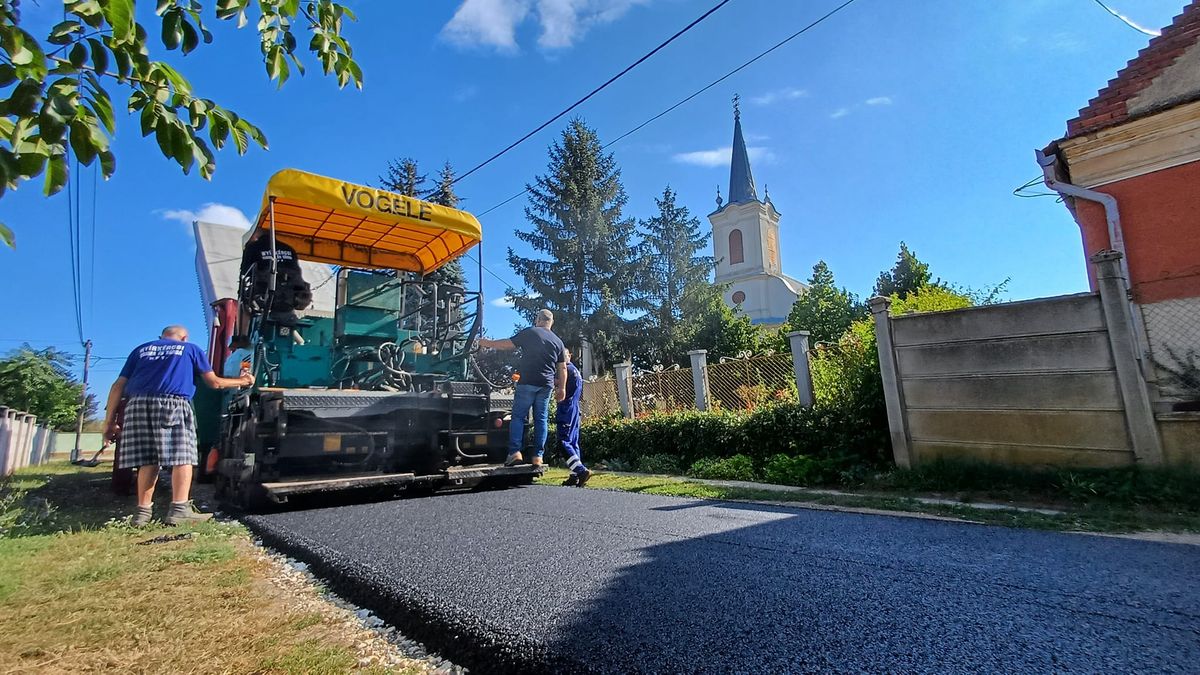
{"x":87,"y":361}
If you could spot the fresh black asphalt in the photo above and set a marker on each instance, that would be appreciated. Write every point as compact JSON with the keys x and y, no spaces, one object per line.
{"x":547,"y":579}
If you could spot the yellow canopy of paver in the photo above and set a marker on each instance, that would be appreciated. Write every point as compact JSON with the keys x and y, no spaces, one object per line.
{"x":332,"y":221}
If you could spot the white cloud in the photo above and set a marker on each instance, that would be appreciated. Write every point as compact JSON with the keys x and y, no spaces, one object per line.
{"x":465,"y":93}
{"x":494,"y":23}
{"x":212,"y":212}
{"x":880,"y":100}
{"x":504,"y":302}
{"x":722,"y":156}
{"x":839,"y":113}
{"x":785,"y":94}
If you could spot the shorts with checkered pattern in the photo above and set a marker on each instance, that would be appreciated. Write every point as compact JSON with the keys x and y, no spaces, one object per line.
{"x":158,"y":430}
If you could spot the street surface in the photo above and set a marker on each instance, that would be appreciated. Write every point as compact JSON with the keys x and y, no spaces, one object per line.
{"x":558,"y":579}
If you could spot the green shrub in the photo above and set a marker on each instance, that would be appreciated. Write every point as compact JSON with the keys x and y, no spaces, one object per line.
{"x":791,"y":470}
{"x":738,"y":467}
{"x":659,"y":463}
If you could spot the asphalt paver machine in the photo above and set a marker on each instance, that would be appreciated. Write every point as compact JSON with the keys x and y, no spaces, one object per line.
{"x":383,"y":393}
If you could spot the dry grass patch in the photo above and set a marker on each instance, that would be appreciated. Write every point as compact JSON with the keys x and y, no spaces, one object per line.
{"x":110,"y":598}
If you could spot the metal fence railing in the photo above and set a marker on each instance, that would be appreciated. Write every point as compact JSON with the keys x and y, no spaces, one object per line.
{"x":746,"y":384}
{"x":1173,"y":329}
{"x":663,"y":391}
{"x":599,"y":399}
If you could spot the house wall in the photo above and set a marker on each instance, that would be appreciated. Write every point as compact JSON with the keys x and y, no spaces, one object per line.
{"x":1160,"y":220}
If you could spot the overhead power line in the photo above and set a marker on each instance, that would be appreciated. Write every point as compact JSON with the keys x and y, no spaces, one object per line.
{"x":703,"y":89}
{"x":1129,"y":22}
{"x":595,"y":91}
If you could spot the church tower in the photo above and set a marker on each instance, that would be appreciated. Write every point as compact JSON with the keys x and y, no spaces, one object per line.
{"x":746,"y":243}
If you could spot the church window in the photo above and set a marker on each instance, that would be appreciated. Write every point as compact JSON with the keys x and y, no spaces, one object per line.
{"x":736,"y":255}
{"x":739,"y":297}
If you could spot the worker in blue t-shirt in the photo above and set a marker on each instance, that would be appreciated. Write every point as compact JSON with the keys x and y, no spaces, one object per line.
{"x":159,"y":427}
{"x":543,"y":369}
{"x":566,"y":420}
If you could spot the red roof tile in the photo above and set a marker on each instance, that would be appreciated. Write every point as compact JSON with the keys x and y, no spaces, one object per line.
{"x":1109,"y":107}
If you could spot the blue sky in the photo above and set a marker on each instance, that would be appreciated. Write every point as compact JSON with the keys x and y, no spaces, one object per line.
{"x":892,"y":121}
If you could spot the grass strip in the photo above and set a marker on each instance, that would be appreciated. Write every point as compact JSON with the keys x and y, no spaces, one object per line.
{"x":81,"y":591}
{"x":1092,"y":517}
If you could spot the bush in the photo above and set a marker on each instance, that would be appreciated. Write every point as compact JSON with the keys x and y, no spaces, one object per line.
{"x":659,"y":463}
{"x":738,"y":467}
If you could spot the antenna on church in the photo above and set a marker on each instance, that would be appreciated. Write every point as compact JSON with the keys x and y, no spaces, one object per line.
{"x":737,"y":105}
{"x":766,"y":193}
{"x":719,"y":200}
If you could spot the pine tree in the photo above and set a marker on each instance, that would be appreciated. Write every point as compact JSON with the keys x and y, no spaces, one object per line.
{"x":907,"y":276}
{"x":823,"y":309}
{"x":587,"y":263}
{"x":443,"y":194}
{"x":402,"y":176}
{"x":674,"y":268}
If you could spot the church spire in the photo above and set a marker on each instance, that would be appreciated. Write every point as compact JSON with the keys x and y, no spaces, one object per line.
{"x":741,"y":181}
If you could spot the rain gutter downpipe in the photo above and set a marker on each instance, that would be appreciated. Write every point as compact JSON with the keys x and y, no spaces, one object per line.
{"x":1116,"y":239}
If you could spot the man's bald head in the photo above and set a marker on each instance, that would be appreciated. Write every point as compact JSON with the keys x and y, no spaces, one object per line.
{"x":175,"y":333}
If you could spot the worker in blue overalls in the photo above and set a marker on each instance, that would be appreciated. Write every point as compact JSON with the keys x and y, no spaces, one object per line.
{"x":567,"y":419}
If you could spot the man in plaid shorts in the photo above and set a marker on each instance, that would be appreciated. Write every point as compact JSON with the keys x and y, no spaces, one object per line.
{"x":159,"y":427}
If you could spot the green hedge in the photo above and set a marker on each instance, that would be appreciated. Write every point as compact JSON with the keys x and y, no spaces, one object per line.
{"x":668,"y":442}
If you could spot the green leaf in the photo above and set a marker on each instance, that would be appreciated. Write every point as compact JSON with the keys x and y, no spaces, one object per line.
{"x":124,"y":64}
{"x":172,"y":32}
{"x":119,"y":14}
{"x":7,"y":236}
{"x":240,"y":140}
{"x":149,"y":120}
{"x":56,"y":175}
{"x":81,"y":142}
{"x":99,"y":55}
{"x":191,"y":39}
{"x":218,"y":129}
{"x":163,"y":6}
{"x":78,"y":55}
{"x":254,"y":133}
{"x":62,"y":33}
{"x":102,"y":107}
{"x":8,"y":75}
{"x":108,"y":164}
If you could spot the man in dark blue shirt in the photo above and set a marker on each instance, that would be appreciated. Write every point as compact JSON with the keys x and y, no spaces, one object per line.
{"x":159,"y":427}
{"x":567,"y":419}
{"x":543,"y":368}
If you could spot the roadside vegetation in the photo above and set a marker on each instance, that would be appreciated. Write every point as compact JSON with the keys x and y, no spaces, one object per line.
{"x":80,"y":591}
{"x":1120,"y":501}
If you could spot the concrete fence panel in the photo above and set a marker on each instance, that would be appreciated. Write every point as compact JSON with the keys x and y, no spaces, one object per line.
{"x":1063,"y":314}
{"x":1027,"y":353}
{"x":1024,"y":383}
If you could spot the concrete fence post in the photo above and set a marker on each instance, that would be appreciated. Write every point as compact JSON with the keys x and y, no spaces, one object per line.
{"x":890,"y":374}
{"x":624,"y":373}
{"x":5,"y":438}
{"x":801,"y":367}
{"x":1139,"y":416}
{"x":27,"y":441}
{"x":700,"y":377}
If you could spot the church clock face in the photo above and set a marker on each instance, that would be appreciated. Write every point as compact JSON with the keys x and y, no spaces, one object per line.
{"x":772,"y":250}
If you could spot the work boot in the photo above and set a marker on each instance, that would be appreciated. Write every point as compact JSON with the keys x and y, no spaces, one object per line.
{"x":514,"y":459}
{"x":141,"y":516}
{"x":583,"y":478}
{"x":185,"y":512}
{"x":571,"y":480}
